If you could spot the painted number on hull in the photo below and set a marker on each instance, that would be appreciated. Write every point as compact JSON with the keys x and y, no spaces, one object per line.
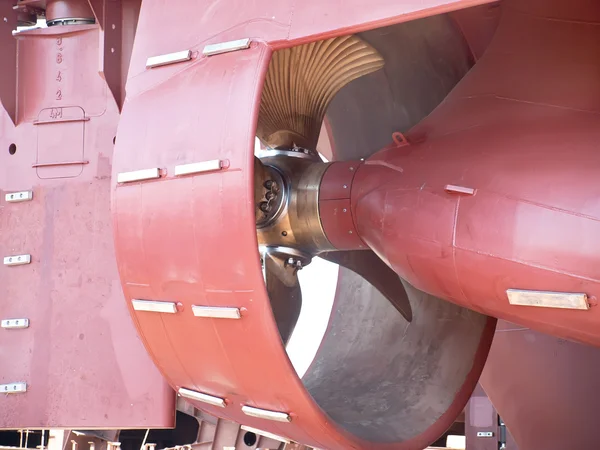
{"x":59,"y":60}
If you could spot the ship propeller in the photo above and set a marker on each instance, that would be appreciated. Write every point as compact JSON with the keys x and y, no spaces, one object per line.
{"x":420,"y":349}
{"x":300,"y":83}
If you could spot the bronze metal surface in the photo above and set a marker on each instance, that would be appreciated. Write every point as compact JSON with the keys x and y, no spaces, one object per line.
{"x":300,"y":83}
{"x":299,"y":225}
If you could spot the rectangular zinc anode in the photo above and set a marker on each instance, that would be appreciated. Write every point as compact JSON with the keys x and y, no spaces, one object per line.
{"x":216,"y":312}
{"x":154,"y":306}
{"x":459,"y":189}
{"x":17,"y":260}
{"x":138,"y":175}
{"x":16,"y":197}
{"x":15,"y":324}
{"x":199,"y":167}
{"x":544,"y":299}
{"x":266,"y":414}
{"x":224,"y":47}
{"x":169,"y":58}
{"x":13,"y":388}
{"x":204,"y":398}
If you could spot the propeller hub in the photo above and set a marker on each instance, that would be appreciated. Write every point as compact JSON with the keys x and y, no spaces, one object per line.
{"x":287,"y":184}
{"x":270,"y":194}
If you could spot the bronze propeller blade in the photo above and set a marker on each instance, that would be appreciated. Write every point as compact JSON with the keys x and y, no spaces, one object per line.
{"x":284,"y":292}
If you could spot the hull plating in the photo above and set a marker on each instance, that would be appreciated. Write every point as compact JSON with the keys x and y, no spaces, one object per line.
{"x":518,"y":140}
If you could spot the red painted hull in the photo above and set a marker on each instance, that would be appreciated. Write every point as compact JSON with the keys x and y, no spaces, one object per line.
{"x":515,"y":141}
{"x":521,"y":137}
{"x":543,"y":388}
{"x":80,"y":358}
{"x":188,"y":264}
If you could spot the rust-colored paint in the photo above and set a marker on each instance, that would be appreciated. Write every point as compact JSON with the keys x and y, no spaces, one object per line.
{"x":521,"y":130}
{"x":81,"y":359}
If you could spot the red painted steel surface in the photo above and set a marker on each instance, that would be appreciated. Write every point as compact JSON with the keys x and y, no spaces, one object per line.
{"x":544,"y":388}
{"x":8,"y":50}
{"x":478,"y":26}
{"x":81,"y":359}
{"x":482,"y":417}
{"x":522,"y":129}
{"x":192,"y":239}
{"x":279,"y":23}
{"x":186,"y":264}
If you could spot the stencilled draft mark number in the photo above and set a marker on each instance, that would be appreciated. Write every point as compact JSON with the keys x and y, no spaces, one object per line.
{"x":59,"y":75}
